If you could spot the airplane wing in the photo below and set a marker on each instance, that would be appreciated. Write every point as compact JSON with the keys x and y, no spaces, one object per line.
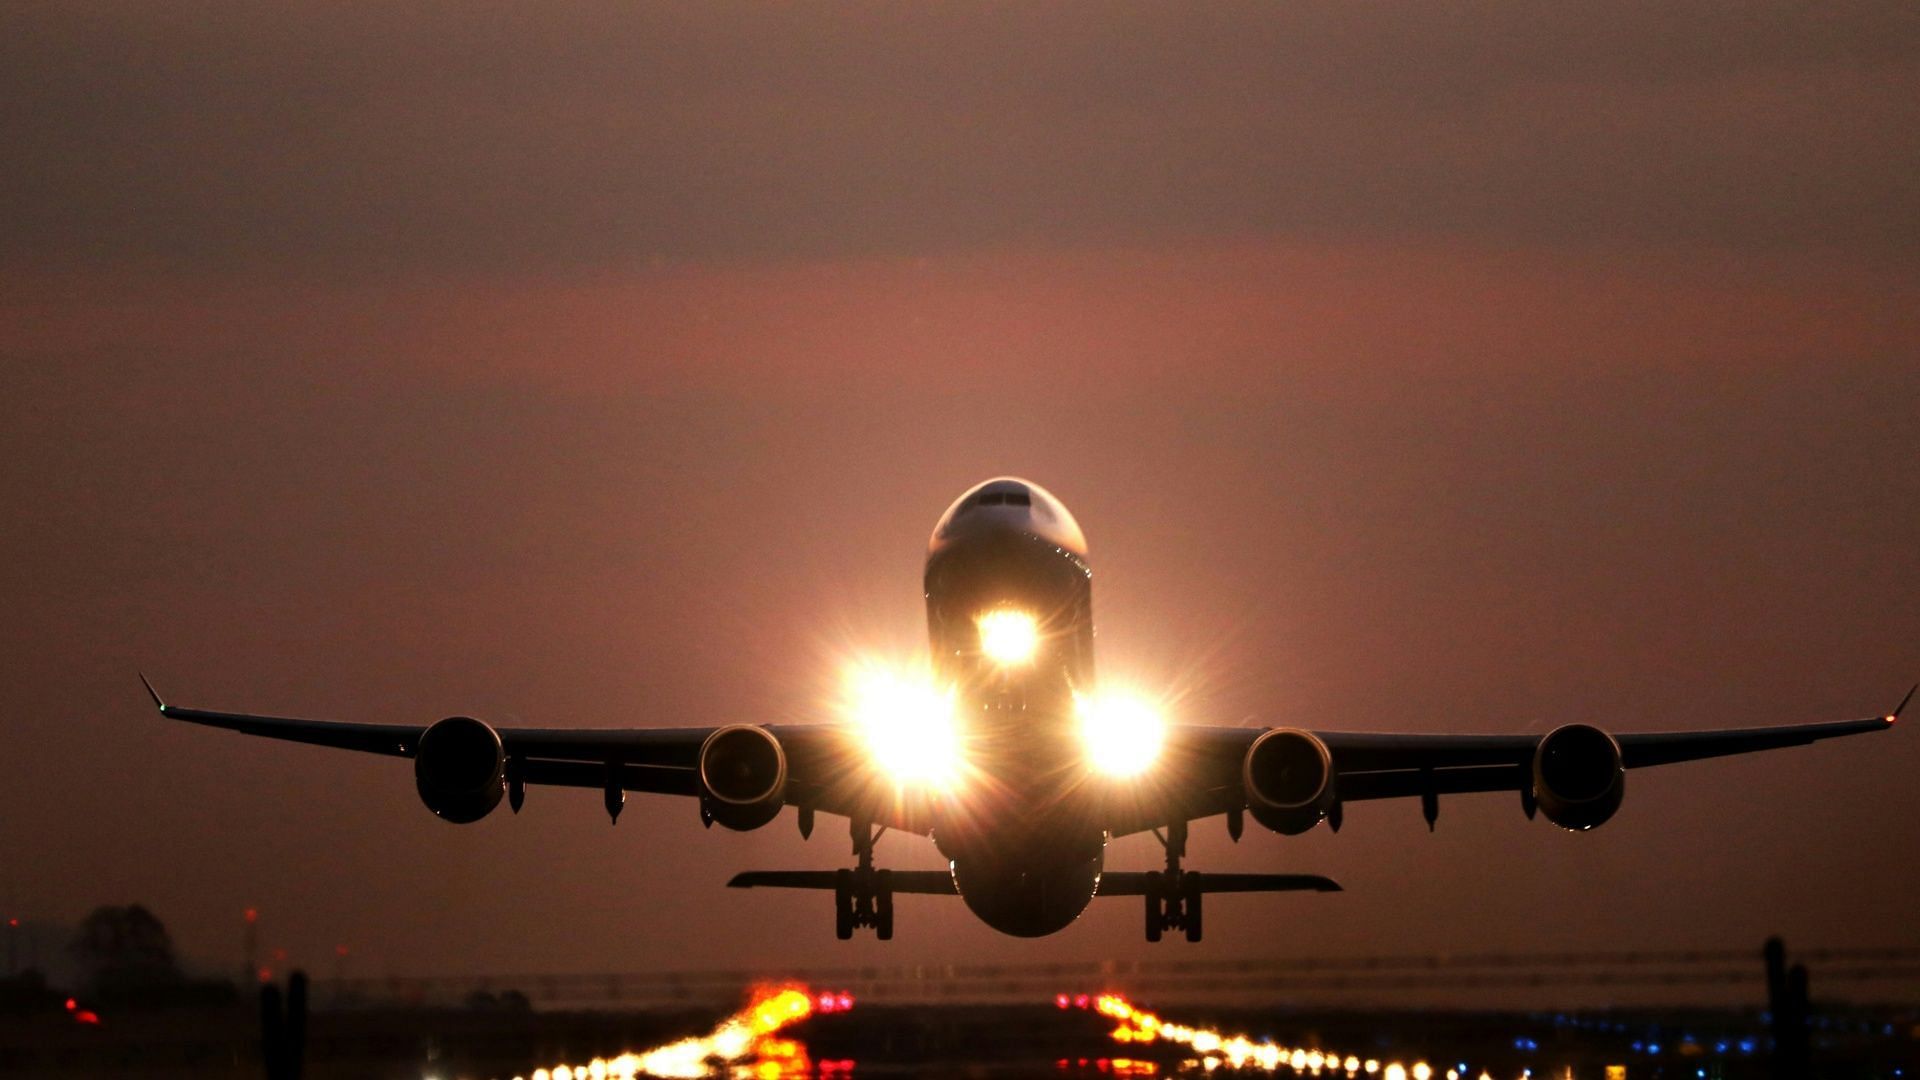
{"x":1203,"y":762}
{"x":1200,"y":776}
{"x":823,"y":761}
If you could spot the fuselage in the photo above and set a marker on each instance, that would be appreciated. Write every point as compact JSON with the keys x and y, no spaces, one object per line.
{"x":1026,"y":843}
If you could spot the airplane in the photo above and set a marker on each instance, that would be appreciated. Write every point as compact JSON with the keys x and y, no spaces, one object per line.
{"x":1011,"y":759}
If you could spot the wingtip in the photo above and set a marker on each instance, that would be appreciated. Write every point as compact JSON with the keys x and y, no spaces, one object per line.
{"x":1902,"y":707}
{"x":152,"y":693}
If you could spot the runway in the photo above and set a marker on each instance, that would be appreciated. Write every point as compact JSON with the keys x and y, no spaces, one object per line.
{"x":1095,"y":1035}
{"x":1273,"y":1017}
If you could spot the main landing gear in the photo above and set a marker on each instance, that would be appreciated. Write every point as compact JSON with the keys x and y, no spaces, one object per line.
{"x":1173,"y":896}
{"x":863,"y":896}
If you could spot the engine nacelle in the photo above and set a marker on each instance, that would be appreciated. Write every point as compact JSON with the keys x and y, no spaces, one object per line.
{"x":1288,"y":778}
{"x":743,"y":776}
{"x":460,"y":769}
{"x":1578,"y":776}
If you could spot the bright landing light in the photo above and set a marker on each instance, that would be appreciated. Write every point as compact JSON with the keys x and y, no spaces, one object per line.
{"x":1008,"y":637}
{"x":908,"y":725}
{"x":1122,"y":733}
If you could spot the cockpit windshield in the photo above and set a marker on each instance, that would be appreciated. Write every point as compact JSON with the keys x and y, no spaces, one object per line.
{"x":1000,"y":498}
{"x":1009,"y":499}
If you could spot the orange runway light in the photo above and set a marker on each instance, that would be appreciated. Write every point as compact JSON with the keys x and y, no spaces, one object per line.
{"x":742,"y":1045}
{"x":1214,"y":1049}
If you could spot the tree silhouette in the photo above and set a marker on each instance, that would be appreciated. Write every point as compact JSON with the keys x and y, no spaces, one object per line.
{"x":125,"y":949}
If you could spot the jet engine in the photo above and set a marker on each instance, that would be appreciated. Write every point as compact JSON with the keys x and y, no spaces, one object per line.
{"x":1578,"y":776}
{"x":1288,"y":777}
{"x":743,"y":776}
{"x":461,"y":769}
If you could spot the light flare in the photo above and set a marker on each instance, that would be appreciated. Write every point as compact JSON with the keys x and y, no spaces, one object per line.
{"x":1008,"y":636}
{"x":741,"y":1044}
{"x":909,"y":726}
{"x":1122,"y":732}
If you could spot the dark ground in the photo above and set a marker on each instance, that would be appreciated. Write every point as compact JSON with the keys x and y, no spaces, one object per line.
{"x":492,"y":1040}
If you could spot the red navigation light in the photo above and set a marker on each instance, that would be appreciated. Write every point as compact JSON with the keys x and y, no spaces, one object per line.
{"x":1079,"y":1001}
{"x":13,"y":923}
{"x":72,"y":1004}
{"x":251,"y":915}
{"x":265,"y":974}
{"x":87,"y":1016}
{"x":826,"y":1002}
{"x":845,"y":1000}
{"x":1062,"y":1000}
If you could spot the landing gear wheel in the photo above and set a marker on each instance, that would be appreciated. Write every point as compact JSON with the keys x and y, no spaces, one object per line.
{"x":1191,"y":894}
{"x":883,"y":905}
{"x":863,"y":896}
{"x":843,"y":905}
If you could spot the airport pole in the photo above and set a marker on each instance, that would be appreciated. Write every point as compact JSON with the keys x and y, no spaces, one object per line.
{"x":273,"y":1032}
{"x":283,"y":1028}
{"x":1787,"y":1006}
{"x":294,"y":1061}
{"x":1800,"y":1060}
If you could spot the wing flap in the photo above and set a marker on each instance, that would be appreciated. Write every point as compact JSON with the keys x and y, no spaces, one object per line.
{"x":1135,"y":883}
{"x":911,"y":882}
{"x":1410,"y":783}
{"x":591,"y":774}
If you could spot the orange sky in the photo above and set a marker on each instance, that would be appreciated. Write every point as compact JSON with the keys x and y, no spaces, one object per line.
{"x":1535,"y":392}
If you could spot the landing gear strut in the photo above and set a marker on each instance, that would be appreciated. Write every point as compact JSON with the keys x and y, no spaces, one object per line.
{"x":1173,"y":896}
{"x":863,"y":896}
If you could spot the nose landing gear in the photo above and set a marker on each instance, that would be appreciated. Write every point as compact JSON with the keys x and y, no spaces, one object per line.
{"x":1173,"y":896}
{"x":863,"y":896}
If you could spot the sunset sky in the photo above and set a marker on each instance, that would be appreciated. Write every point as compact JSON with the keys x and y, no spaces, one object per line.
{"x":1412,"y":368}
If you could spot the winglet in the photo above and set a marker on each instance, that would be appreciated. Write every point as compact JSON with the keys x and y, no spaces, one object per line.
{"x":154,"y":694}
{"x":1902,"y":707}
